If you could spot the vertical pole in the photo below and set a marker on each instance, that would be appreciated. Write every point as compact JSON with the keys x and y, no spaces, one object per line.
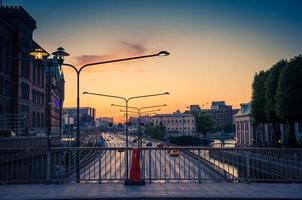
{"x":100,"y":169}
{"x":48,"y":166}
{"x":48,"y":107}
{"x":247,"y":165}
{"x":139,"y":130}
{"x":78,"y":128}
{"x":199,"y":167}
{"x":150,"y":175}
{"x":127,"y":139}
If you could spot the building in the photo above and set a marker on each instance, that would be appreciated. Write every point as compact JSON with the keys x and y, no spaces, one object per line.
{"x":243,"y":126}
{"x":87,"y":116}
{"x":23,"y":87}
{"x":194,"y":108}
{"x":176,"y":124}
{"x":104,"y":122}
{"x":221,"y":113}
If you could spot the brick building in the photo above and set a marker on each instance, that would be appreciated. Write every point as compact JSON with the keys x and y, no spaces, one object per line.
{"x":23,"y":86}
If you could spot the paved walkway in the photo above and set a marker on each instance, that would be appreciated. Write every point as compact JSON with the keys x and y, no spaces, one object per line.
{"x":152,"y":191}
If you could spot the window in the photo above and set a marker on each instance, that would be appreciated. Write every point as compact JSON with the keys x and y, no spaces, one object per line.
{"x":38,"y":119}
{"x":42,"y":120}
{"x":34,"y":119}
{"x":24,"y":91}
{"x":34,"y":73}
{"x":1,"y":52}
{"x":7,"y":88}
{"x":25,"y":64}
{"x":34,"y":96}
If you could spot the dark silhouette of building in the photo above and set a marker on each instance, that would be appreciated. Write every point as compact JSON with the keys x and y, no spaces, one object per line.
{"x":23,"y":85}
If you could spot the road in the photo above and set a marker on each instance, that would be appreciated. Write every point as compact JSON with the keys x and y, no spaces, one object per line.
{"x":162,"y":166}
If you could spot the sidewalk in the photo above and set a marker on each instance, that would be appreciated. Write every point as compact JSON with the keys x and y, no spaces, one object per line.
{"x":152,"y":191}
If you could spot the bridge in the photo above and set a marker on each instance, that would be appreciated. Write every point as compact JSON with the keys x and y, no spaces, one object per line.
{"x":196,"y":172}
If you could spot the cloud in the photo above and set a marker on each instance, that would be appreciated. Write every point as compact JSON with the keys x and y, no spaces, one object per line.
{"x":83,"y":59}
{"x":123,"y":49}
{"x":135,"y":48}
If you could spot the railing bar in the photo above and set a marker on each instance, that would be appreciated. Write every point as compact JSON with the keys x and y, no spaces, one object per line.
{"x":115,"y":164}
{"x":110,"y":166}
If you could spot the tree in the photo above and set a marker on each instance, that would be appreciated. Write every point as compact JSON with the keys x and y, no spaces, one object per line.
{"x":156,"y":132}
{"x":258,"y":98}
{"x":271,"y":85}
{"x":204,"y":123}
{"x":289,"y":95}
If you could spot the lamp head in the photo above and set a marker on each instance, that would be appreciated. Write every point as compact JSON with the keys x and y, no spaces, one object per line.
{"x":163,"y":53}
{"x":60,"y":54}
{"x":85,"y":92}
{"x":167,"y":93}
{"x":39,"y":54}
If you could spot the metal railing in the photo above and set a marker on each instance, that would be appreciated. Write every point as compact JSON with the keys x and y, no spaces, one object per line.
{"x":157,"y":164}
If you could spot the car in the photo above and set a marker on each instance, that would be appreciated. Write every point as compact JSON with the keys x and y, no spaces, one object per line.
{"x":149,"y":144}
{"x":134,"y":140}
{"x":173,"y":152}
{"x":160,"y":144}
{"x":120,"y":150}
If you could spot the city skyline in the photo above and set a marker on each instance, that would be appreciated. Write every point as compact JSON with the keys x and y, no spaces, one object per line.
{"x":216,"y":47}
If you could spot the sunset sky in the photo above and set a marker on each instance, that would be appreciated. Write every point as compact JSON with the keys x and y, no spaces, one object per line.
{"x":216,"y":47}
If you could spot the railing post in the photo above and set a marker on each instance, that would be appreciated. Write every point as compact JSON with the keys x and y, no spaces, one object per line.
{"x":199,"y":167}
{"x":48,"y":166}
{"x":100,"y":169}
{"x":142,"y":157}
{"x":150,"y":166}
{"x":247,"y":157}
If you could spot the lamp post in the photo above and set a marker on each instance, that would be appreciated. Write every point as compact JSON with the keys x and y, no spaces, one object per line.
{"x":139,"y":116}
{"x":59,"y":55}
{"x":39,"y":56}
{"x":126,"y":106}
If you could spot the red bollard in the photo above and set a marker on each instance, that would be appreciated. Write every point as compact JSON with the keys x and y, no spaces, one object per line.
{"x":135,"y":170}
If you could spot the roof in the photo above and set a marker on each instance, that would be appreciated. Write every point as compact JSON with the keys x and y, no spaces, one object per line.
{"x":245,"y":109}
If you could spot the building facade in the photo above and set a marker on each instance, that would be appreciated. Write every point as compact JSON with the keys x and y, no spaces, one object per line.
{"x":23,"y":88}
{"x":104,"y":122}
{"x":177,"y":124}
{"x":87,"y":116}
{"x":221,"y":114}
{"x":243,"y":126}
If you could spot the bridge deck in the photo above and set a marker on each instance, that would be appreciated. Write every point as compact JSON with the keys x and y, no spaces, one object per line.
{"x":152,"y":191}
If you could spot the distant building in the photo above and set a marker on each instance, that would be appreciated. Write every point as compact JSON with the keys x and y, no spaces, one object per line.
{"x":194,"y":108}
{"x":103,"y":121}
{"x":87,"y":116}
{"x":243,"y":126}
{"x":176,"y":124}
{"x":23,"y":84}
{"x":221,"y":113}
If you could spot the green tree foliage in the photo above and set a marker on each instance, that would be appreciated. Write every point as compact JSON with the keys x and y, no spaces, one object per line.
{"x":289,"y":95}
{"x":271,"y":85}
{"x":258,"y":98}
{"x":204,"y":122}
{"x":156,"y":132}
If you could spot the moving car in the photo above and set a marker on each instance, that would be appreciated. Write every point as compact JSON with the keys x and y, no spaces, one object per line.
{"x":120,"y":150}
{"x":134,"y":140}
{"x":160,"y":144}
{"x":173,"y":152}
{"x":149,"y":144}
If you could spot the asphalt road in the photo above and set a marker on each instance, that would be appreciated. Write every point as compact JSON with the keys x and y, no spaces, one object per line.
{"x":162,"y":166}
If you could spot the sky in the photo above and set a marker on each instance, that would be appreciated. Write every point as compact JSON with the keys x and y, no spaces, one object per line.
{"x":215,"y":46}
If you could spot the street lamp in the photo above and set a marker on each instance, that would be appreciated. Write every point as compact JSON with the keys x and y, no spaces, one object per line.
{"x":139,"y":115}
{"x":126,"y":106}
{"x":59,"y":55}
